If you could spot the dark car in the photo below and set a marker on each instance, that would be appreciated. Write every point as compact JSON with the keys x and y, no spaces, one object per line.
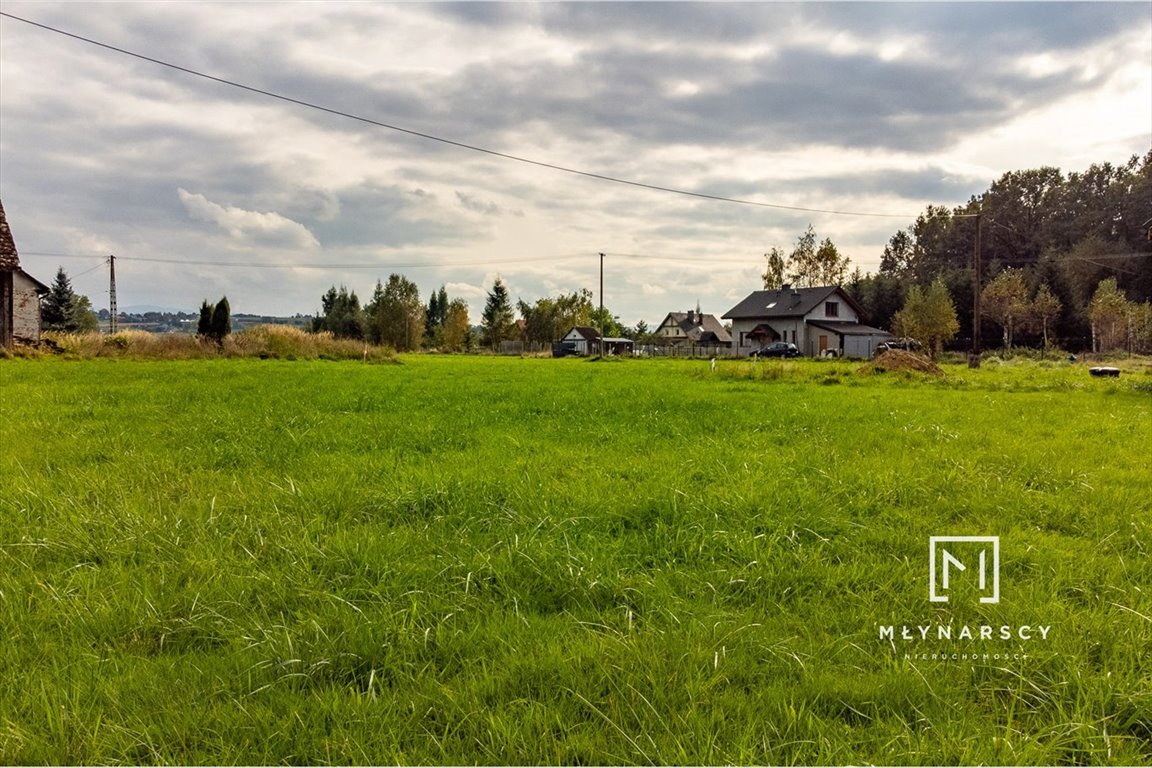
{"x":776,"y":349}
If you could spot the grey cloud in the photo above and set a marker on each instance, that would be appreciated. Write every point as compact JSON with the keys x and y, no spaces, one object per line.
{"x":929,"y":184}
{"x":391,"y":217}
{"x":485,"y":207}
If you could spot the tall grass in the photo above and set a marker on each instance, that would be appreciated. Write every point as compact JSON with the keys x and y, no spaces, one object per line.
{"x":491,"y":560}
{"x":262,"y":341}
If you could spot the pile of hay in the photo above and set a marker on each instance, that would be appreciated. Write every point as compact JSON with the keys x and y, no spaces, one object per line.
{"x":901,"y":360}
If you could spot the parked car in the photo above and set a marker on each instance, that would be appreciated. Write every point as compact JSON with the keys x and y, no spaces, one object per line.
{"x":776,"y":349}
{"x":910,"y":345}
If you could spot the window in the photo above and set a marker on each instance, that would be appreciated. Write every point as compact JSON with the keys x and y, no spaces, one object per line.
{"x":831,"y":309}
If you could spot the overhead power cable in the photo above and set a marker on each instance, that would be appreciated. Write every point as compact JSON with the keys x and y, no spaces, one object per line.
{"x":282,"y":265}
{"x":442,"y":140}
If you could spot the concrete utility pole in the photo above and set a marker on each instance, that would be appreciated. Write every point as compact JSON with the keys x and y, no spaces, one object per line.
{"x":974,"y":358}
{"x":601,"y":305}
{"x":111,"y":294}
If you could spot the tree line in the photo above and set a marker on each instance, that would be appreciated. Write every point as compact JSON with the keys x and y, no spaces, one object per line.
{"x":396,"y":316}
{"x":1066,"y":259}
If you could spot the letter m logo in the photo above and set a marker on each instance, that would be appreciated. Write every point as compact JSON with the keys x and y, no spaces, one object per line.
{"x":950,"y":558}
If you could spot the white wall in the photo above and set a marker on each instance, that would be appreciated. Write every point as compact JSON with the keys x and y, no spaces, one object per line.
{"x":25,"y":308}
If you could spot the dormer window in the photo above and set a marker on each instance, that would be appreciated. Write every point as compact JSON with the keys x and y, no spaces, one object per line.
{"x":832,"y":309}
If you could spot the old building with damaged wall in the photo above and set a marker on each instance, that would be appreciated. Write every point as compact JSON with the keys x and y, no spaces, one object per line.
{"x":19,"y":293}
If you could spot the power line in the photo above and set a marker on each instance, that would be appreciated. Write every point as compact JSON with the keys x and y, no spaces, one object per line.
{"x":442,"y":140}
{"x":751,"y":260}
{"x":267,"y":265}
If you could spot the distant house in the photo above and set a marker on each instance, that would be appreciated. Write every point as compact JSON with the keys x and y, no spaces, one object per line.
{"x":585,"y":340}
{"x":19,"y":293}
{"x":692,"y":329}
{"x":819,"y":321}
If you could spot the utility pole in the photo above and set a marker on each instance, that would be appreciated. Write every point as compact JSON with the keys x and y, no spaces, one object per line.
{"x":111,"y":294}
{"x":974,"y":358}
{"x":601,"y":305}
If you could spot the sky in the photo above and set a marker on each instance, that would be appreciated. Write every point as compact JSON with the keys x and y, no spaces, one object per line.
{"x":857,"y":108}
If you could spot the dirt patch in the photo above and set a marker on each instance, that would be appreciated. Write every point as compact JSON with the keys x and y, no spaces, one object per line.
{"x":900,"y":360}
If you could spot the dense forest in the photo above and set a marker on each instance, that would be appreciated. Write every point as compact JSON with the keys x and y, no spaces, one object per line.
{"x":1048,"y":244}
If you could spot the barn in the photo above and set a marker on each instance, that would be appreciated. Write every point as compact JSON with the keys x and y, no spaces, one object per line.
{"x":20,"y":293}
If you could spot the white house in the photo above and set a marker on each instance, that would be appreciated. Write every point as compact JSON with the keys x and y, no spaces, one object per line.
{"x":584,"y":340}
{"x":819,"y":321}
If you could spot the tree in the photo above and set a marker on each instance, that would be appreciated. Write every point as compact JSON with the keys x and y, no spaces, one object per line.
{"x":802,"y":261}
{"x":550,"y":318}
{"x":204,"y":326}
{"x":496,"y":319}
{"x":1005,"y":300}
{"x":65,"y":310}
{"x":56,"y":307}
{"x":457,"y":327}
{"x":1140,"y":327}
{"x":539,"y":320}
{"x":395,"y":316}
{"x":1045,"y":309}
{"x":774,"y":271}
{"x":1108,"y":313}
{"x":436,"y":314}
{"x":928,"y":316}
{"x":831,"y":267}
{"x":642,"y":333}
{"x":340,"y":314}
{"x":898,"y":254}
{"x":606,"y":323}
{"x":221,"y":321}
{"x":83,"y":318}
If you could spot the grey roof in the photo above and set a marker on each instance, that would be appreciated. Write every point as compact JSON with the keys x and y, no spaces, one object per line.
{"x":9,"y":259}
{"x":697,"y":326}
{"x":587,"y":332}
{"x":847,"y":328}
{"x":786,"y":302}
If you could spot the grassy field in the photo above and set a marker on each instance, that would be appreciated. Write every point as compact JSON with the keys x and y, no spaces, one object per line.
{"x":490,"y":560}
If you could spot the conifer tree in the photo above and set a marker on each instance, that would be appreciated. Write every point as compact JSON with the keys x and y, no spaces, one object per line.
{"x":221,"y":321}
{"x":56,"y":309}
{"x":496,"y":319}
{"x":204,"y":326}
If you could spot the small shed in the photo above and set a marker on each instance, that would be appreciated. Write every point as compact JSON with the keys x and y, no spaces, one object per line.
{"x":585,"y":340}
{"x":19,"y":293}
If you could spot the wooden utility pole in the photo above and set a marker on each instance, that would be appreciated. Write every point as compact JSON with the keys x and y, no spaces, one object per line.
{"x":601,"y":305}
{"x":977,"y":282}
{"x":112,"y":294}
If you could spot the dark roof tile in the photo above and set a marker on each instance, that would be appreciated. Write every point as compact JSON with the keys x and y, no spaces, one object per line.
{"x":9,"y":259}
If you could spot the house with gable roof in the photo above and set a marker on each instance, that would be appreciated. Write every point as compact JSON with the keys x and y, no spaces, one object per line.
{"x":694,"y":329}
{"x":19,"y":293}
{"x":819,"y":321}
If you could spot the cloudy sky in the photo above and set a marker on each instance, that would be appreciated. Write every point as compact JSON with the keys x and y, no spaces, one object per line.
{"x":864,"y":108}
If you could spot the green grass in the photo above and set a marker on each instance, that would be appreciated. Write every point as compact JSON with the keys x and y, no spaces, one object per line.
{"x":492,"y":560}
